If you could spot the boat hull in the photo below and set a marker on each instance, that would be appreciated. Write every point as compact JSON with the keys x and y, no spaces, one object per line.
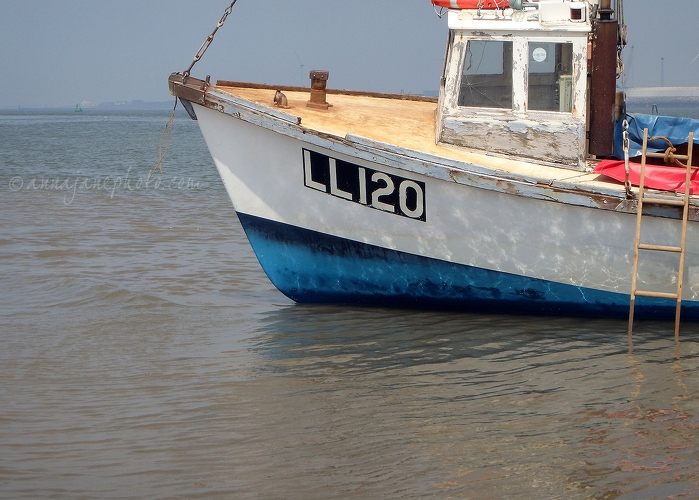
{"x":311,"y":267}
{"x":435,"y":240}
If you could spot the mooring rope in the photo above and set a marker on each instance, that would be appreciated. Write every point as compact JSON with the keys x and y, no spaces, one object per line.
{"x":166,"y":132}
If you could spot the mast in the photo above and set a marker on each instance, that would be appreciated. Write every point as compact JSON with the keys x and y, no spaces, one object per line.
{"x":605,"y":40}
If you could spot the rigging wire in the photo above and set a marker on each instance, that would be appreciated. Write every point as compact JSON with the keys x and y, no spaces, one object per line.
{"x":622,"y":39}
{"x":441,"y":12}
{"x":621,"y":43}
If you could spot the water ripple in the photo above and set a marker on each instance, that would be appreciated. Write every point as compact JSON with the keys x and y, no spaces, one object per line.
{"x":145,"y":354}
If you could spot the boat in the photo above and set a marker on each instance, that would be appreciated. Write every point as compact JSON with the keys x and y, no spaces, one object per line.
{"x":484,"y":199}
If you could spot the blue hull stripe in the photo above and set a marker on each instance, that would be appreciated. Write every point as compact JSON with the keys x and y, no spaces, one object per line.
{"x":312,"y":267}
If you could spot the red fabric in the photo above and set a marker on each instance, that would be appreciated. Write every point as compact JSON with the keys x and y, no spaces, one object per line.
{"x":471,"y":4}
{"x":656,"y":176}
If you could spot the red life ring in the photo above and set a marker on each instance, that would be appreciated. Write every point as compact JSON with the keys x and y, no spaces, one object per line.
{"x":472,"y":4}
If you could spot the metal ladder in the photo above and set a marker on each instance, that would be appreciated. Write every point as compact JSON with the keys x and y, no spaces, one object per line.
{"x":684,"y":202}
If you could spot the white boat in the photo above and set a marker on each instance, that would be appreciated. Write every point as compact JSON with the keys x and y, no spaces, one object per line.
{"x":484,"y":199}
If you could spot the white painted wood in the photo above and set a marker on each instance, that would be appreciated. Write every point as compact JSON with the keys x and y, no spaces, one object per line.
{"x":556,"y":137}
{"x":589,"y":247}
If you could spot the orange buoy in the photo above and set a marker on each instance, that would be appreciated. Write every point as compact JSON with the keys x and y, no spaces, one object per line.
{"x":472,"y":4}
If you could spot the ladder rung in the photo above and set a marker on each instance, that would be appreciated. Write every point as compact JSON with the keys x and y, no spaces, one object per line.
{"x":660,"y":248}
{"x":682,"y":202}
{"x":659,"y":295}
{"x":662,"y":155}
{"x":662,"y":201}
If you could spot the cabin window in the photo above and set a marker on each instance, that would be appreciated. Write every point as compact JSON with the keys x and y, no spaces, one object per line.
{"x":551,"y":77}
{"x":486,"y":80}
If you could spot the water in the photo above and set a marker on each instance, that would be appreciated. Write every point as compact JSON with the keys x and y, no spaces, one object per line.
{"x":144,"y":354}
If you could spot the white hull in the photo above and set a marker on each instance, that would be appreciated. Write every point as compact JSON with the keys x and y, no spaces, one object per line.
{"x":577,"y":254}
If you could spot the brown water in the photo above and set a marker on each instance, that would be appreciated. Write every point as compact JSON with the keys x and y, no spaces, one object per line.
{"x":144,"y":354}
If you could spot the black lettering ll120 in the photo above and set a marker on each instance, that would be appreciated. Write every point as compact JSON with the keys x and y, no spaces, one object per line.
{"x":366,"y":186}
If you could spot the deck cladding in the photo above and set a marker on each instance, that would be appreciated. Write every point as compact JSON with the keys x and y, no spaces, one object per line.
{"x":404,"y":123}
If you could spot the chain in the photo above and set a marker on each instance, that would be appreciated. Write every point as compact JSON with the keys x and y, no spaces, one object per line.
{"x":621,"y":43}
{"x":162,"y":151}
{"x":627,"y":182}
{"x":209,"y":39}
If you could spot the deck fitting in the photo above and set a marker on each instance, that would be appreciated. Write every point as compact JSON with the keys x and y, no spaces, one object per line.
{"x":319,"y":80}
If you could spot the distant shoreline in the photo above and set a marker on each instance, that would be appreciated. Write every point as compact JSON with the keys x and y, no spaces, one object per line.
{"x":672,"y":106}
{"x":687,"y":107}
{"x":670,"y":101}
{"x":115,"y":105}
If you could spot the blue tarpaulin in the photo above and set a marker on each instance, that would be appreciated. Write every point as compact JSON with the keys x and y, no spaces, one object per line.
{"x":675,"y":129}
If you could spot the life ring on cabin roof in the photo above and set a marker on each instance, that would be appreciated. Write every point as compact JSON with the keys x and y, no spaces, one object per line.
{"x":472,"y":4}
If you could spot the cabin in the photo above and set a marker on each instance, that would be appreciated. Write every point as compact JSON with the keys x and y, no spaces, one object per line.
{"x":517,"y":82}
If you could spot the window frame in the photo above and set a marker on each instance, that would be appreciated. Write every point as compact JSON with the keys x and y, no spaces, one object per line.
{"x":519,"y":72}
{"x":530,"y":44}
{"x":503,"y":75}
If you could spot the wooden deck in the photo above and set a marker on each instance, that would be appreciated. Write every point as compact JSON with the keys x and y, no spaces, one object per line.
{"x":405,"y":123}
{"x":409,"y":124}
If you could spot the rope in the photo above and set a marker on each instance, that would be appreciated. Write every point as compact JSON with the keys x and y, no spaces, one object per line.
{"x":622,"y":38}
{"x":621,"y":43}
{"x":166,"y":133}
{"x":622,"y":25}
{"x":669,"y":152}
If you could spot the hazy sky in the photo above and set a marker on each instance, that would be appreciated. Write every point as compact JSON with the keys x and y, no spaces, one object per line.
{"x":60,"y":52}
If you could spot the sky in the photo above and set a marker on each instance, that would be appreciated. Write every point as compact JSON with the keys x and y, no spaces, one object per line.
{"x":61,"y":52}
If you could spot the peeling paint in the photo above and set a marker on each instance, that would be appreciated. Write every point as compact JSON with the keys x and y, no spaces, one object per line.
{"x":517,"y":127}
{"x":552,"y":137}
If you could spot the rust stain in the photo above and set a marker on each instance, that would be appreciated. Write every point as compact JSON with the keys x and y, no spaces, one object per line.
{"x":506,"y":187}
